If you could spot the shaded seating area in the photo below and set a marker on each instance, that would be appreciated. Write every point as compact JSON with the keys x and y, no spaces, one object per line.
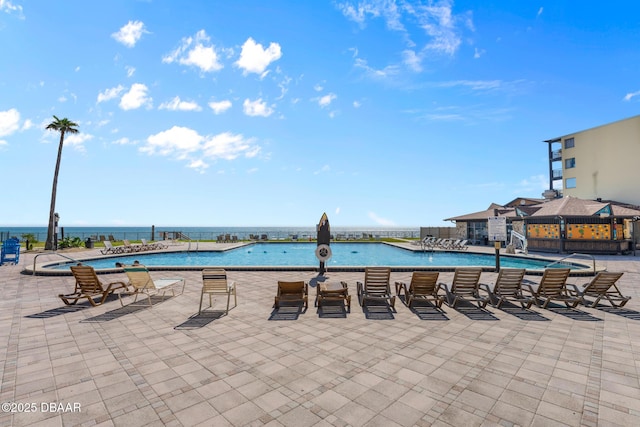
{"x":214,"y":282}
{"x":603,"y":285}
{"x":376,"y":286}
{"x":297,"y":291}
{"x":552,"y":286}
{"x":10,"y":252}
{"x":464,"y":286}
{"x":508,"y":286}
{"x":89,"y":286}
{"x":143,"y":284}
{"x":423,"y":286}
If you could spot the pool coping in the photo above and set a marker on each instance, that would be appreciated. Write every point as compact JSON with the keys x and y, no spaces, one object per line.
{"x":41,"y":269}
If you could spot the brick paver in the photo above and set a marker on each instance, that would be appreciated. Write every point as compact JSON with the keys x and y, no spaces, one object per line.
{"x":166,"y":365}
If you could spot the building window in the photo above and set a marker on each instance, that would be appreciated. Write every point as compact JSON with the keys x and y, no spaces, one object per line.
{"x":570,"y":163}
{"x":569,"y":143}
{"x":570,"y":183}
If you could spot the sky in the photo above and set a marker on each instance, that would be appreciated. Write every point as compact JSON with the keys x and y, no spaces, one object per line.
{"x":380,"y":113}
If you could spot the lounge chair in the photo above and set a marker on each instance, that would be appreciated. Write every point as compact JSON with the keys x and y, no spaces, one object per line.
{"x":143,"y":283}
{"x":214,"y":282}
{"x":128,"y":247}
{"x":552,"y":286}
{"x":152,"y":246}
{"x":465,"y":286}
{"x":110,"y":249}
{"x":603,"y":285}
{"x":292,"y":291}
{"x":10,"y":252}
{"x":508,"y":286}
{"x":89,"y":286}
{"x":376,"y":286}
{"x":424,"y":286}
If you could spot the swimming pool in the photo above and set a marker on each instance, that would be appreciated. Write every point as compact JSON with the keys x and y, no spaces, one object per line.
{"x":283,"y":255}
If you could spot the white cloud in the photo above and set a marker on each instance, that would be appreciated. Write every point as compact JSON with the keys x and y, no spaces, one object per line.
{"x":9,"y":122}
{"x":220,"y":107}
{"x":77,"y":140}
{"x":473,"y":84}
{"x":130,"y":70}
{"x":229,"y":146}
{"x":196,"y":51}
{"x":630,"y":95}
{"x":7,"y":6}
{"x":478,"y":53}
{"x":124,"y":141}
{"x":411,"y":60}
{"x":199,"y":165}
{"x":325,"y":101}
{"x":380,"y":221}
{"x":540,"y":11}
{"x":357,"y":104}
{"x":177,"y":140}
{"x":177,"y":105}
{"x":28,"y":124}
{"x":186,"y":144}
{"x":110,"y":93}
{"x":255,"y":59}
{"x":337,"y":210}
{"x":129,"y":34}
{"x":388,"y":71}
{"x":414,"y":21}
{"x":136,"y":97}
{"x":256,"y":108}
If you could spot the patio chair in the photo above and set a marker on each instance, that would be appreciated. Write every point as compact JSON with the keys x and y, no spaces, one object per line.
{"x":143,"y":283}
{"x":292,"y":291}
{"x":214,"y":282}
{"x":89,"y":286}
{"x":552,"y":286}
{"x":151,"y":246}
{"x":424,"y":286}
{"x":603,"y":285}
{"x":376,"y":286}
{"x":10,"y":252}
{"x":508,"y":286}
{"x":110,"y":249}
{"x":128,"y":247}
{"x":465,"y":286}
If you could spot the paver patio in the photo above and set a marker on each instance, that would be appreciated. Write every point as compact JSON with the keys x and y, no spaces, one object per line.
{"x":165,"y":365}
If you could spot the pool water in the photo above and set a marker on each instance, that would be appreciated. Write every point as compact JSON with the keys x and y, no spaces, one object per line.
{"x":303,"y":255}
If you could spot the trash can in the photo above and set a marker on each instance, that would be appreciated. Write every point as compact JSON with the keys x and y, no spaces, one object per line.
{"x":88,"y":243}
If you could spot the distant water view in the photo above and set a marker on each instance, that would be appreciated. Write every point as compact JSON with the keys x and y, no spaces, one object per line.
{"x":210,"y":233}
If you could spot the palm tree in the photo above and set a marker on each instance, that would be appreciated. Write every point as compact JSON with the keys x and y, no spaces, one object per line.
{"x":63,"y":126}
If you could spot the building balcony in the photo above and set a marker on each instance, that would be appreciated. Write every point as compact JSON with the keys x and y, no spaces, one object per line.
{"x":556,"y":174}
{"x":556,"y":155}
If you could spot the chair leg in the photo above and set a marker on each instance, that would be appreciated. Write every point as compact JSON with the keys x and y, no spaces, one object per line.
{"x":201,"y":298}
{"x":228,"y":300}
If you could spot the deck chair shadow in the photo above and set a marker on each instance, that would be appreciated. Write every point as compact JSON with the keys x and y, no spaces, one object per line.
{"x":143,"y":284}
{"x":508,"y":286}
{"x":214,"y":282}
{"x":552,"y":286}
{"x":376,"y":286}
{"x":89,"y":286}
{"x":465,"y":286}
{"x":110,"y":249}
{"x":10,"y":252}
{"x":603,"y":285}
{"x":423,"y":286}
{"x":292,"y":292}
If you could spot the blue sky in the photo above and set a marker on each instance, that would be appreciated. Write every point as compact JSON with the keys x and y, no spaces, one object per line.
{"x":254,"y":113}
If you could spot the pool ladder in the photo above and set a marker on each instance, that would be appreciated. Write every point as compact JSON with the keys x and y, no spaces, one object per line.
{"x":196,"y":245}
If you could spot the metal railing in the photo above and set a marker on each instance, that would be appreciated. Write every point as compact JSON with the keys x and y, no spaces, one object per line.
{"x":562,"y":261}
{"x":50,"y":253}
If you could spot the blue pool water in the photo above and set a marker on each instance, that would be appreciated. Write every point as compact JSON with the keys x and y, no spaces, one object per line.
{"x":303,"y":254}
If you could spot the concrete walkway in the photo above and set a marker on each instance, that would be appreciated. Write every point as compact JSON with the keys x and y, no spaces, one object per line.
{"x":166,"y":365}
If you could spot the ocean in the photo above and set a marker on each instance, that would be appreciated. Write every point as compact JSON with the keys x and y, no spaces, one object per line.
{"x":207,"y":233}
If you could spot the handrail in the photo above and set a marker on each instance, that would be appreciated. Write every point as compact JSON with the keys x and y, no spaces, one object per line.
{"x":50,"y":253}
{"x":559,"y":261}
{"x":189,"y":247}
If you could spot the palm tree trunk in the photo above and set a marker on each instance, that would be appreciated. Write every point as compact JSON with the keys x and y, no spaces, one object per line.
{"x":49,"y":244}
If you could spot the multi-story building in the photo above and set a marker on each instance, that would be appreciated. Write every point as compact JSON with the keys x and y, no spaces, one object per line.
{"x":598,"y":163}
